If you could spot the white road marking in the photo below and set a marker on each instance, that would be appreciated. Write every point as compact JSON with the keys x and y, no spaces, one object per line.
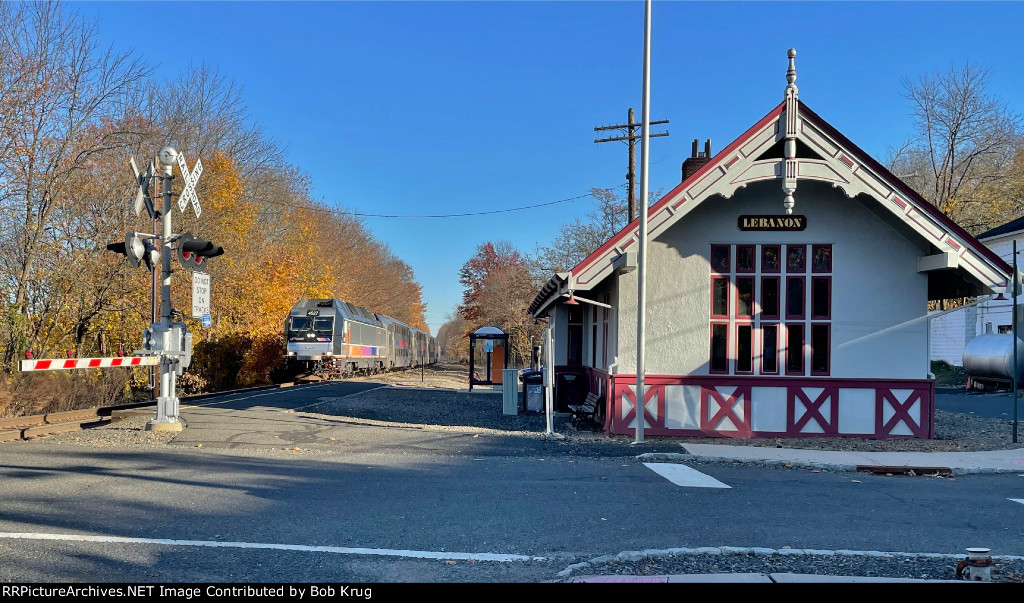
{"x":1020,"y":500}
{"x":279,"y":547}
{"x":681,"y":475}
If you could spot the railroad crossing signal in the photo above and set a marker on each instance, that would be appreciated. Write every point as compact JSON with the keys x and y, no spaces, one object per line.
{"x":188,"y":192}
{"x":142,"y":193}
{"x":137,"y":250}
{"x":193,"y":252}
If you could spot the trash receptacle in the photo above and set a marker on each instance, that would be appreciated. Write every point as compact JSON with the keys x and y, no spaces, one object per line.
{"x":533,"y":391}
{"x":569,"y":390}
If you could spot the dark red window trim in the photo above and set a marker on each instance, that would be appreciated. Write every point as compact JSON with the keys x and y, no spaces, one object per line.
{"x":736,"y":339}
{"x":803,"y":302}
{"x":778,"y":348}
{"x":753,"y":296}
{"x":778,"y":255}
{"x":728,"y":259}
{"x":814,"y":248}
{"x":753,"y":259}
{"x":821,"y":316}
{"x":728,"y":288}
{"x":778,"y":298}
{"x":711,"y":349}
{"x":828,"y":349}
{"x":803,"y":350}
{"x":786,"y":259}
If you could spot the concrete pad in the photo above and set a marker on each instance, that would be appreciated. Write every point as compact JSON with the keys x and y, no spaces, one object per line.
{"x":721,"y":578}
{"x":165,"y":426}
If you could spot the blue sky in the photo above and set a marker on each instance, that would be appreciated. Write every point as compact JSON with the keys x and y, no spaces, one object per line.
{"x":415,"y":108}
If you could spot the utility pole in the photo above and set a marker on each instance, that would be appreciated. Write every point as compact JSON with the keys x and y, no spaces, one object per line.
{"x":630,"y":138}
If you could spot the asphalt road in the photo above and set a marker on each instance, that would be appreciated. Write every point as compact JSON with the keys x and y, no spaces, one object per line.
{"x":997,"y":405}
{"x":414,"y":506}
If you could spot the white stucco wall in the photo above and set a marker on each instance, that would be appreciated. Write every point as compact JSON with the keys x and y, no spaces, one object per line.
{"x":878,"y":297}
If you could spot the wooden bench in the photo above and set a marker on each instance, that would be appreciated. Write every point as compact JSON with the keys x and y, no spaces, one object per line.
{"x":583,"y":414}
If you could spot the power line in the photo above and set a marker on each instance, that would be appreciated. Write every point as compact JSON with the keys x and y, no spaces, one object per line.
{"x":460,"y":215}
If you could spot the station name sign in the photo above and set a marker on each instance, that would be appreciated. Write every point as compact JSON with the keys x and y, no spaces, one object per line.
{"x":772,"y":222}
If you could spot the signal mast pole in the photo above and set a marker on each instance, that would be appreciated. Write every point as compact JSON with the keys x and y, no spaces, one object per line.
{"x":167,"y":404}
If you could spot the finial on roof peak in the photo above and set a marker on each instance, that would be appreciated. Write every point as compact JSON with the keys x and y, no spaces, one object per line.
{"x":791,"y":74}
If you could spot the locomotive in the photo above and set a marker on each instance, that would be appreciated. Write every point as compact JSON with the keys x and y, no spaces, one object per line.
{"x":333,"y":339}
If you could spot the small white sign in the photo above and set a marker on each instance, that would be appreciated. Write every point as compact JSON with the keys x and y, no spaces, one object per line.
{"x":200,"y":294}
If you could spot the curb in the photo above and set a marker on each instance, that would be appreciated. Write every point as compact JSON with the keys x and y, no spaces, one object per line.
{"x":923,"y":471}
{"x":762,"y":551}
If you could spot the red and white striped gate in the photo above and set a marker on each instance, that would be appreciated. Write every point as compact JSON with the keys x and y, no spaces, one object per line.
{"x":57,"y":364}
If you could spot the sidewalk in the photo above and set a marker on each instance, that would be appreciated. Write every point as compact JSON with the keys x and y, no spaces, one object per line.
{"x":952,"y":463}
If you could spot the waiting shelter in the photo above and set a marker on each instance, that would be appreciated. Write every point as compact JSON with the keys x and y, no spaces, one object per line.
{"x":487,"y":349}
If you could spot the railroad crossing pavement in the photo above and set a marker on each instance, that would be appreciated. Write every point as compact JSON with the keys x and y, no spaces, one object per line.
{"x":266,"y":419}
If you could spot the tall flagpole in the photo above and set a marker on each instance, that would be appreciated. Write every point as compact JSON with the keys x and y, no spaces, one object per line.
{"x":641,"y":292}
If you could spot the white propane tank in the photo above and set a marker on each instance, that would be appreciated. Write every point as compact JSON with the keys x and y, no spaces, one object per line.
{"x":992,"y":356}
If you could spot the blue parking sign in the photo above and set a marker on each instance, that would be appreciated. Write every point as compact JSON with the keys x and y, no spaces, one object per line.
{"x":206,"y":320}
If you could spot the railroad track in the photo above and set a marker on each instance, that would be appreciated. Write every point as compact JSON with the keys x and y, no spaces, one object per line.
{"x":38,"y":426}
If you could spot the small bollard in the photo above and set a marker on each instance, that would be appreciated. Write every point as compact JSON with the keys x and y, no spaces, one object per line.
{"x":977,"y":567}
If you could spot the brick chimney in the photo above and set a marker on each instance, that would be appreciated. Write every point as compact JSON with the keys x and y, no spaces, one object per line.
{"x":697,"y":159}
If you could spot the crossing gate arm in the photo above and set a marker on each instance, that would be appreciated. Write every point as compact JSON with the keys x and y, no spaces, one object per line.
{"x":59,"y":364}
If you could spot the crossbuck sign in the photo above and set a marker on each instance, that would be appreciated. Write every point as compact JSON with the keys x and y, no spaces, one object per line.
{"x":188,"y":193}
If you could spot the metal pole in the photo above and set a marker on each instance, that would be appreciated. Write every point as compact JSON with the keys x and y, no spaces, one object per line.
{"x":1013,"y":318}
{"x":641,"y":293}
{"x":167,"y":403}
{"x":154,"y":371}
{"x":631,"y":175}
{"x":549,"y":379}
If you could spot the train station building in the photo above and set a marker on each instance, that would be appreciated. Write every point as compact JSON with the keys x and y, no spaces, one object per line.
{"x":787,"y":281}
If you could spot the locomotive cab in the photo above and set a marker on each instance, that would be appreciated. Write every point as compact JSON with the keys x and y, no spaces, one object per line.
{"x":310,"y":333}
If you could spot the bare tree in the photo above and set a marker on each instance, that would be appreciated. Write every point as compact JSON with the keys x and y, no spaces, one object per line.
{"x":58,"y":87}
{"x":964,"y":141}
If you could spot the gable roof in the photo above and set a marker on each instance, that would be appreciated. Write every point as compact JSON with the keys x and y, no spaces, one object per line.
{"x":832,"y":158}
{"x":1010,"y":227}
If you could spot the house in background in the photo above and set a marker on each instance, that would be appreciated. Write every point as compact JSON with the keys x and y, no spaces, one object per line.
{"x":787,"y":287}
{"x":951,"y":331}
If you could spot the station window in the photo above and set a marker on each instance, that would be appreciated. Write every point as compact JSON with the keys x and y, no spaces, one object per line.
{"x":771,"y":309}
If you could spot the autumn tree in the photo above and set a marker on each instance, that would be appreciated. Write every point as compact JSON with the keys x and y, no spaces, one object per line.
{"x":498,"y":287}
{"x":71,"y":114}
{"x":57,"y":85}
{"x":452,"y":337}
{"x":490,"y":258}
{"x":964,"y":142}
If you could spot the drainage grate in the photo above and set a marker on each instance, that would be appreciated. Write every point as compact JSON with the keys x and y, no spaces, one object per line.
{"x":904,"y":470}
